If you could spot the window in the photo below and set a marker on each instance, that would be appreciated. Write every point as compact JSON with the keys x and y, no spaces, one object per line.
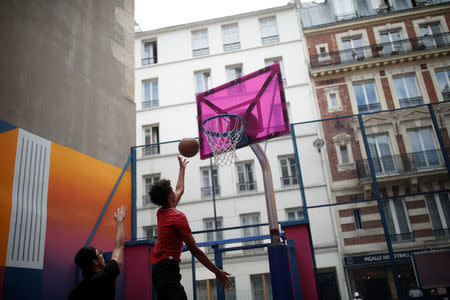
{"x":213,"y":236}
{"x":443,"y":78}
{"x":231,"y":37}
{"x":294,"y":213}
{"x":380,"y":151}
{"x":261,"y":286}
{"x":202,"y":81}
{"x":353,"y":49}
{"x":322,"y":52}
{"x":408,"y":93}
{"x":207,"y":290}
{"x":250,"y":219}
{"x":357,"y":216}
{"x":269,"y":31}
{"x":327,"y":284}
{"x":397,"y":220}
{"x":439,"y":208}
{"x":246,"y":178}
{"x":151,"y":142}
{"x":392,"y":43}
{"x":149,"y":56}
{"x":432,"y":36}
{"x":271,"y":61}
{"x":424,"y":151}
{"x":344,"y":154}
{"x":366,"y":97}
{"x":200,"y":43}
{"x":288,"y":171}
{"x":333,"y":101}
{"x":151,"y":98}
{"x":150,"y":232}
{"x":149,"y":180}
{"x":233,"y":72}
{"x":206,"y":182}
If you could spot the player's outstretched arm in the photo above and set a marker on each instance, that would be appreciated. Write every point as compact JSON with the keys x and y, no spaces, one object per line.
{"x":221,"y":275}
{"x":119,"y":216}
{"x":179,"y":189}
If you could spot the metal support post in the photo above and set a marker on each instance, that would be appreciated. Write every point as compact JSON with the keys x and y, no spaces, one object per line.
{"x":213,"y":187}
{"x":133,"y":195}
{"x":219,"y":264}
{"x":380,"y":208}
{"x":269,"y":193}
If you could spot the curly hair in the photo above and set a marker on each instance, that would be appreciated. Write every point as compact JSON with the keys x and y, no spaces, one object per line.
{"x":160,"y":191}
{"x":84,"y":258}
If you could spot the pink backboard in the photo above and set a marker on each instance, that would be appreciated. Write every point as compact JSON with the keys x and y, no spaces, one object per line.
{"x":257,"y":97}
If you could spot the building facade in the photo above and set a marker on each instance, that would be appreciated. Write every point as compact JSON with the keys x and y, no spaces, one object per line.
{"x":68,"y":74}
{"x":364,"y":57}
{"x":175,"y":63}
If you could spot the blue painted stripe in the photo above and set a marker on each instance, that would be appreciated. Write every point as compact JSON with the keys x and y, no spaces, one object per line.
{"x":6,"y":126}
{"x":107,"y":203}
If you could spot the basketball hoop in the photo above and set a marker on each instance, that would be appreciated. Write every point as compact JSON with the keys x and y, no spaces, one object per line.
{"x":223,"y":133}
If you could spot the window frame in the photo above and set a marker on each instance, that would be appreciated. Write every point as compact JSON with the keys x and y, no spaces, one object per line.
{"x":273,"y":60}
{"x":366,"y":104}
{"x":206,"y":191}
{"x":398,"y":236}
{"x":203,"y":76}
{"x":445,"y":223}
{"x":269,"y":35}
{"x":230,"y":44}
{"x":445,"y":96}
{"x":291,"y":168}
{"x":152,"y":149}
{"x":198,"y":44}
{"x":153,"y":178}
{"x":410,"y":101}
{"x":152,"y":100}
{"x":299,"y":213}
{"x":250,"y":231}
{"x":152,"y":52}
{"x":247,"y":185}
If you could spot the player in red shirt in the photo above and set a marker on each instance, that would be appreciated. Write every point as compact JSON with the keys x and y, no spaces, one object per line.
{"x":173,"y":230}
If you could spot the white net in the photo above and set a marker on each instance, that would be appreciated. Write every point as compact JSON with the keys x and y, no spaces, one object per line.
{"x":223,"y":133}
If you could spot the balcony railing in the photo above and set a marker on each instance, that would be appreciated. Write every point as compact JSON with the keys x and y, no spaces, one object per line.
{"x":402,"y":237}
{"x":441,"y":232}
{"x":148,"y":61}
{"x":408,"y":102}
{"x":399,"y":47}
{"x":150,"y":150}
{"x":231,"y":46}
{"x":246,"y":186}
{"x":392,"y":165}
{"x":446,"y":96}
{"x":289,"y":180}
{"x":200,"y":52}
{"x":369,"y":107}
{"x":270,"y":39}
{"x":150,"y":103}
{"x":207,"y":191}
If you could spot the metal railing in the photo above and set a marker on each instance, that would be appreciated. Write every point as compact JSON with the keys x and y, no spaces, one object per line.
{"x":392,"y":165}
{"x":232,"y":46}
{"x":200,"y":51}
{"x":246,"y":186}
{"x":408,"y":102}
{"x":150,"y":103}
{"x":150,"y":150}
{"x":402,"y":237}
{"x":148,"y":61}
{"x":442,"y":232}
{"x":289,"y":180}
{"x":270,"y":39}
{"x":390,"y":49}
{"x":207,"y":191}
{"x":369,"y":107}
{"x":446,"y":96}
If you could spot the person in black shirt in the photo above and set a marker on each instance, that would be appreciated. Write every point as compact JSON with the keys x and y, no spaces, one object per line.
{"x":99,"y":279}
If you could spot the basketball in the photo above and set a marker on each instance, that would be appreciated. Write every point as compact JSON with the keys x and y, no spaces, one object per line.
{"x":188,"y":147}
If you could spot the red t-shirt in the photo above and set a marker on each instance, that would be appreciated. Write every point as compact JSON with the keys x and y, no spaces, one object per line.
{"x":172,"y":227}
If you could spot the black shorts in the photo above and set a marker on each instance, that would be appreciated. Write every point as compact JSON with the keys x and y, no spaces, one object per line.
{"x":166,"y":279}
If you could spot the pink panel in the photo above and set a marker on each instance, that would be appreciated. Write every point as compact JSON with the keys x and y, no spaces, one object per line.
{"x":299,"y":233}
{"x":257,"y":97}
{"x":138,"y":275}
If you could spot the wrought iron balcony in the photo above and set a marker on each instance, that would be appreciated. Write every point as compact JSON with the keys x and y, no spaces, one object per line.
{"x":270,"y":39}
{"x":392,"y":165}
{"x":408,"y":102}
{"x":200,"y":51}
{"x":148,"y":61}
{"x":207,"y":191}
{"x":369,"y":107}
{"x":442,"y":232}
{"x":150,"y":103}
{"x":152,"y":149}
{"x":399,"y":47}
{"x":231,"y":46}
{"x":289,"y":181}
{"x":402,"y":237}
{"x":246,"y":186}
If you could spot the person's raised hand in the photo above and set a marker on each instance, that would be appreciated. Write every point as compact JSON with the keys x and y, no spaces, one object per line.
{"x":182,"y":162}
{"x":120,"y":213}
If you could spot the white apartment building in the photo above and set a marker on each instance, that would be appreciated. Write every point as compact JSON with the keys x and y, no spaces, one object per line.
{"x":175,"y":63}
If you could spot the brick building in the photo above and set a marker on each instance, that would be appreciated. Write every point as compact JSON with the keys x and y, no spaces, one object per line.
{"x":366,"y":57}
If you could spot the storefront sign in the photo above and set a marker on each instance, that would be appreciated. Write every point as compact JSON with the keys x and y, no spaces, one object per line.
{"x":375,"y":258}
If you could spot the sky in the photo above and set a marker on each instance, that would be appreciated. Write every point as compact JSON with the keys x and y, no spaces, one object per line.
{"x":153,"y":14}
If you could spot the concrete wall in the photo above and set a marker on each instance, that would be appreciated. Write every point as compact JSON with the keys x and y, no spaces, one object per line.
{"x":68,"y":73}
